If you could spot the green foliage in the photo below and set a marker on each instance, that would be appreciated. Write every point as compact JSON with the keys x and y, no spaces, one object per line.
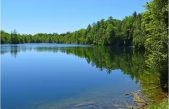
{"x":155,"y":26}
{"x":163,"y":105}
{"x":5,"y":37}
{"x":103,"y":32}
{"x":138,"y":37}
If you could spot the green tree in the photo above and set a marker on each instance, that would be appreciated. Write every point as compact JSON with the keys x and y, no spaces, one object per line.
{"x":155,"y":26}
{"x":14,"y":38}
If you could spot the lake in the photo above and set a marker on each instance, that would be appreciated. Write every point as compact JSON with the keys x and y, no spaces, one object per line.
{"x":64,"y":76}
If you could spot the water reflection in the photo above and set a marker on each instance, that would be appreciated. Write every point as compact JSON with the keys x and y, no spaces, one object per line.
{"x":105,"y":58}
{"x":130,"y":62}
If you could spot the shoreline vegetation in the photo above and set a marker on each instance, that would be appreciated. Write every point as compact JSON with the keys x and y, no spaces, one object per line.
{"x":145,"y":31}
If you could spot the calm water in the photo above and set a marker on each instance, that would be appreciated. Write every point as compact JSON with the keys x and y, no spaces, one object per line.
{"x":60,"y":76}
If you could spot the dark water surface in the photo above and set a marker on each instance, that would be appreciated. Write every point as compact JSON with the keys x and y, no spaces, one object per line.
{"x":61,"y":76}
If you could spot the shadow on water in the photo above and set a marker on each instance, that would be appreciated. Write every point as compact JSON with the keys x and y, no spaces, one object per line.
{"x":153,"y":84}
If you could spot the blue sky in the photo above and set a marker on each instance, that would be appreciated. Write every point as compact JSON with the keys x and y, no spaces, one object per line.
{"x":48,"y":16}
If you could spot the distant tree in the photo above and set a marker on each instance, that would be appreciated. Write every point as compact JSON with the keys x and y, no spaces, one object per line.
{"x":14,"y":37}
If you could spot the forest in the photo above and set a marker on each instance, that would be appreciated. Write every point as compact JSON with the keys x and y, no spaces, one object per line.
{"x":146,"y":31}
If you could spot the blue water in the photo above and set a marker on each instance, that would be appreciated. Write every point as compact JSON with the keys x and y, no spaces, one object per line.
{"x":47,"y":76}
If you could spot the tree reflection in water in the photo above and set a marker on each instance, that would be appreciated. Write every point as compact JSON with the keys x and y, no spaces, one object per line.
{"x":152,"y":83}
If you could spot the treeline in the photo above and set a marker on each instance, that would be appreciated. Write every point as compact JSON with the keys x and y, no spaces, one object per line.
{"x":103,"y":32}
{"x":146,"y":30}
